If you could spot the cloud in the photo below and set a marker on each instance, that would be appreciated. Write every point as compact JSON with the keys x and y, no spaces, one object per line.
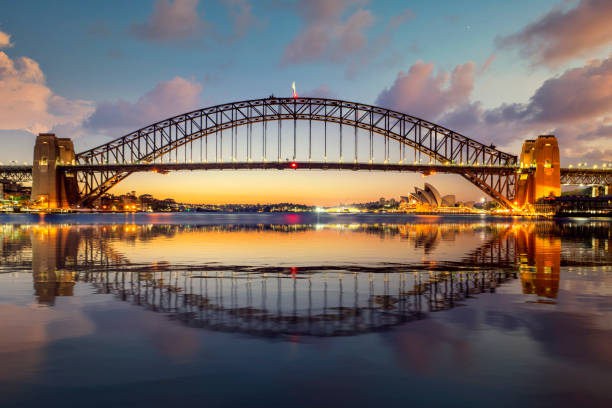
{"x":575,"y":106}
{"x":379,"y":45}
{"x":171,"y":21}
{"x":100,"y":28}
{"x":174,"y":21}
{"x":26,"y":103}
{"x":325,"y":34}
{"x":28,"y":330}
{"x":322,"y":91}
{"x":241,"y":14}
{"x":168,"y":98}
{"x":422,"y":93}
{"x":5,"y":40}
{"x":561,"y":36}
{"x":485,"y":66}
{"x":401,"y":18}
{"x":577,"y":95}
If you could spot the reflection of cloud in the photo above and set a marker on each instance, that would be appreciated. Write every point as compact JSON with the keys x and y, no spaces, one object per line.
{"x":27,"y":330}
{"x":570,"y":335}
{"x":171,"y":339}
{"x":418,"y":344}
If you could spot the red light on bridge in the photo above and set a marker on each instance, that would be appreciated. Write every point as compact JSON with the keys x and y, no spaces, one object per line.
{"x":293,"y":165}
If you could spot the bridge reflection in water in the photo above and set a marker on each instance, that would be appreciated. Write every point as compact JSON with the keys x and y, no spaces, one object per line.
{"x":309,"y":300}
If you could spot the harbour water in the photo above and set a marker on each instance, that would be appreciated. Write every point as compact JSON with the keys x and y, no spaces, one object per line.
{"x":304,"y":310}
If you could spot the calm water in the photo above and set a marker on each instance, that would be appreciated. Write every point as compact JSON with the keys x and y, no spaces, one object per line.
{"x":298,"y":310}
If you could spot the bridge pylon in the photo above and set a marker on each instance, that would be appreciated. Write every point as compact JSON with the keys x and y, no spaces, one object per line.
{"x":539,"y":172}
{"x":53,"y":187}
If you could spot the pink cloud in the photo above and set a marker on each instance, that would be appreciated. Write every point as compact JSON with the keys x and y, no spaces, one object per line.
{"x":26,"y":103}
{"x":326,"y":35}
{"x":577,"y":95}
{"x":401,"y":18}
{"x":378,"y":46}
{"x":422,"y":93}
{"x":241,"y":14}
{"x":322,"y":91}
{"x":575,"y":106}
{"x":171,"y":21}
{"x":560,"y":36}
{"x":485,"y":66}
{"x":178,"y":20}
{"x":168,"y":98}
{"x":5,"y":40}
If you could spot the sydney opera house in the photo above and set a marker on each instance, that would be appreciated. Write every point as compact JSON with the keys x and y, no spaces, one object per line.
{"x":429,"y":196}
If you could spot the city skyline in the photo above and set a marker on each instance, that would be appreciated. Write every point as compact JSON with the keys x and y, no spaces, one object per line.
{"x":77,"y":70}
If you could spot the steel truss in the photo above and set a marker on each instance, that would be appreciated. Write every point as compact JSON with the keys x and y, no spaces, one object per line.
{"x":578,"y":176}
{"x":15,"y":174}
{"x":441,"y":145}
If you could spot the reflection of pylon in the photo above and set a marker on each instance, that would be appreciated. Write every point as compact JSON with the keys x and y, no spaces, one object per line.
{"x":540,"y":263}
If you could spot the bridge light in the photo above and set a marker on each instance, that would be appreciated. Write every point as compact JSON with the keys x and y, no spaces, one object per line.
{"x":570,"y":166}
{"x":294,"y":165}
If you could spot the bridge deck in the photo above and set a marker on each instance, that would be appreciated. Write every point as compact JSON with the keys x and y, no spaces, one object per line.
{"x":569,"y":176}
{"x":291,"y":165}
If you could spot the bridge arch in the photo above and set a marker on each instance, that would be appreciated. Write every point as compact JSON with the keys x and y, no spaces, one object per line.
{"x":443,"y":146}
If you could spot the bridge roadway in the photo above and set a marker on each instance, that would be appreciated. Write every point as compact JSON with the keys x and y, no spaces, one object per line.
{"x":569,"y":176}
{"x":290,"y":165}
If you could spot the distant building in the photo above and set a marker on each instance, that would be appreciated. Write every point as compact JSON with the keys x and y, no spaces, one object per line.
{"x":429,"y":195}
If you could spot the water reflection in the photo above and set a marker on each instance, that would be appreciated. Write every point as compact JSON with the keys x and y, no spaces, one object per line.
{"x":540,"y":262}
{"x":334,"y":297}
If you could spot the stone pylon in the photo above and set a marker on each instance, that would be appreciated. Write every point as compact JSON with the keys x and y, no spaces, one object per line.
{"x":53,"y":188}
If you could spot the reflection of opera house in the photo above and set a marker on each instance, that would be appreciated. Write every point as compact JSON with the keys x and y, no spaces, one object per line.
{"x":430,"y":197}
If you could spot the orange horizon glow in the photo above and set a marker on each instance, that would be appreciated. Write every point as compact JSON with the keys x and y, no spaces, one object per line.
{"x":308,"y":187}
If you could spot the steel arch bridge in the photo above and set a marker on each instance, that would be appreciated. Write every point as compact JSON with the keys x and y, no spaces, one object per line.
{"x":145,"y":149}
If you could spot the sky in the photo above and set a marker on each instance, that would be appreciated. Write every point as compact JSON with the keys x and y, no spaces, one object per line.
{"x":499,"y":72}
